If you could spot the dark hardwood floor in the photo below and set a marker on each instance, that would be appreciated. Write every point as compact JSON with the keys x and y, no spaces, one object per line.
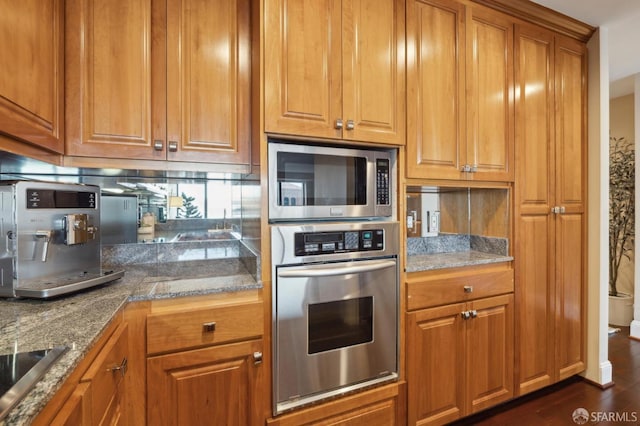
{"x":556,"y":404}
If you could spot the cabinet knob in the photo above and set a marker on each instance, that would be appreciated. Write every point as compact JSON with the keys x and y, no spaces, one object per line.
{"x":465,"y":315}
{"x":466,"y":168}
{"x":173,"y":146}
{"x":562,"y":210}
{"x":257,"y":358}
{"x":473,"y":168}
{"x":468,"y":289}
{"x":338,"y":125}
{"x":209,"y":327}
{"x":473,"y":313}
{"x":555,"y":209}
{"x":351,"y":125}
{"x":122,"y":368}
{"x":158,"y":144}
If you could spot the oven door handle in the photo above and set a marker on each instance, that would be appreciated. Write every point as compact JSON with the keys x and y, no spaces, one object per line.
{"x":323,"y":271}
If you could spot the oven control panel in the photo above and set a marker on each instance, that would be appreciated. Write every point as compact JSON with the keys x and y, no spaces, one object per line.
{"x":314,"y":243}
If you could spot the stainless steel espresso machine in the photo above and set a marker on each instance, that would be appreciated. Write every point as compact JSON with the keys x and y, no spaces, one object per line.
{"x":49,"y":239}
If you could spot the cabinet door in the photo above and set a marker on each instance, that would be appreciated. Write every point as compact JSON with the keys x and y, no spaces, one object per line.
{"x":303,"y":67}
{"x":489,"y":82}
{"x":107,"y":375}
{"x":534,"y":197}
{"x":31,"y":75}
{"x":373,"y":70}
{"x":109,"y":98}
{"x":208,"y":81}
{"x":435,"y":365}
{"x":218,"y":385}
{"x":489,"y":334}
{"x":76,"y":411}
{"x":570,"y":67}
{"x":435,"y":88}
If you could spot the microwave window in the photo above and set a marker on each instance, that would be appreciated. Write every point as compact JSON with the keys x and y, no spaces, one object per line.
{"x":321,"y":180}
{"x":339,"y":324}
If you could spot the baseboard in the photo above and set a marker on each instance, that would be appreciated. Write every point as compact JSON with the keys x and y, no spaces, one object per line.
{"x":603,"y":377}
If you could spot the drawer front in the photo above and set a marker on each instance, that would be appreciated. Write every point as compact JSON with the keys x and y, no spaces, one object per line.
{"x":107,"y":372}
{"x":193,"y":328}
{"x":457,"y":286}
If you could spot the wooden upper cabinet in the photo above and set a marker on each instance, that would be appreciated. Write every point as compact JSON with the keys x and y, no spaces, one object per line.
{"x":459,"y":92}
{"x":108,"y":79}
{"x":31,"y":75}
{"x":435,"y":88}
{"x":335,"y":69}
{"x":158,"y":80}
{"x":208,"y":81}
{"x":490,"y":121}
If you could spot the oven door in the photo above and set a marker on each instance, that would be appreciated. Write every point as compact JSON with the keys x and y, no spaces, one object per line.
{"x":335,"y":329}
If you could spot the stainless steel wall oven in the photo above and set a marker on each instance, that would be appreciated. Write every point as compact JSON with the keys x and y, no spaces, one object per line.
{"x":335,"y":309}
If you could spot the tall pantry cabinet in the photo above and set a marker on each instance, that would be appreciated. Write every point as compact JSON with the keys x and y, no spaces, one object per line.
{"x":158,"y":80}
{"x":550,"y":222}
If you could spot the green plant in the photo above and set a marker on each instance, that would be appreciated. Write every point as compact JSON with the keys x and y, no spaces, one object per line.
{"x":188,"y":209}
{"x":621,"y":206}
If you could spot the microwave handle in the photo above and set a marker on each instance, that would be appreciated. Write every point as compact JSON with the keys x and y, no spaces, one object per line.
{"x":314,"y":271}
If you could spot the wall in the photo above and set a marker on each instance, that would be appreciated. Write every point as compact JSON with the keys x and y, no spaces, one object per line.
{"x":621,"y":124}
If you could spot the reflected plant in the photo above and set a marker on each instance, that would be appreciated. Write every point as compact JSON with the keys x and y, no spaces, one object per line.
{"x":621,"y":206}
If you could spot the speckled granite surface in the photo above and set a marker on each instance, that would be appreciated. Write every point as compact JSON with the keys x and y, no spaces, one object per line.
{"x":426,"y":262}
{"x":450,"y":251}
{"x":78,"y":320}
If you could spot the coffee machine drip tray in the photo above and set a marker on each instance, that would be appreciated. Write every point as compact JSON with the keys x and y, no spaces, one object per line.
{"x":58,"y":286}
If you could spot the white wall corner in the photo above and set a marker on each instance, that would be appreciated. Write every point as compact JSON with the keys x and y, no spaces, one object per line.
{"x":599,"y":369}
{"x":635,"y":327}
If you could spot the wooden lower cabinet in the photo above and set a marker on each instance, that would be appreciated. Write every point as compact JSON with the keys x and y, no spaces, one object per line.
{"x":212,"y":386}
{"x":198,"y":360}
{"x":95,"y":393}
{"x":381,"y":406}
{"x":460,"y":359}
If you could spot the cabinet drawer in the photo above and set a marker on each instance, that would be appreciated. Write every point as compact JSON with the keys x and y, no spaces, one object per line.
{"x":107,"y":372}
{"x":202,"y":326}
{"x":457,"y":285}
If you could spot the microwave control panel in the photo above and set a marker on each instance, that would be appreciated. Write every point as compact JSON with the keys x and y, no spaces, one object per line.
{"x":314,"y":243}
{"x":382,"y":182}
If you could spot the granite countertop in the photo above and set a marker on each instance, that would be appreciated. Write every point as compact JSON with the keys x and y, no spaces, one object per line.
{"x":427,"y":262}
{"x":77,"y":321}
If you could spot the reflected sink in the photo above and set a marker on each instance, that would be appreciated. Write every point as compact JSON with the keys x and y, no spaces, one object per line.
{"x":210,"y":234}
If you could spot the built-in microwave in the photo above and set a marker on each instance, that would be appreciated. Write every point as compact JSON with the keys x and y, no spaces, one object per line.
{"x":313,"y":182}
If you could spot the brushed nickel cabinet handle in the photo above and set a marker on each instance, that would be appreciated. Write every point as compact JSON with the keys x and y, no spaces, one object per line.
{"x":209,"y":327}
{"x":338,"y":125}
{"x":257,"y":358}
{"x":173,"y":146}
{"x":351,"y":125}
{"x":158,"y":144}
{"x":468,"y":289}
{"x":122,"y":368}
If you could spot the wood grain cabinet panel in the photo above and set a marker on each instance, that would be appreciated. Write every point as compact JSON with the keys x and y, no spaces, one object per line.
{"x":550,"y":222}
{"x":32,"y":72}
{"x":459,"y":91}
{"x":460,"y":359}
{"x":158,"y":80}
{"x":335,"y":69}
{"x":215,"y":385}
